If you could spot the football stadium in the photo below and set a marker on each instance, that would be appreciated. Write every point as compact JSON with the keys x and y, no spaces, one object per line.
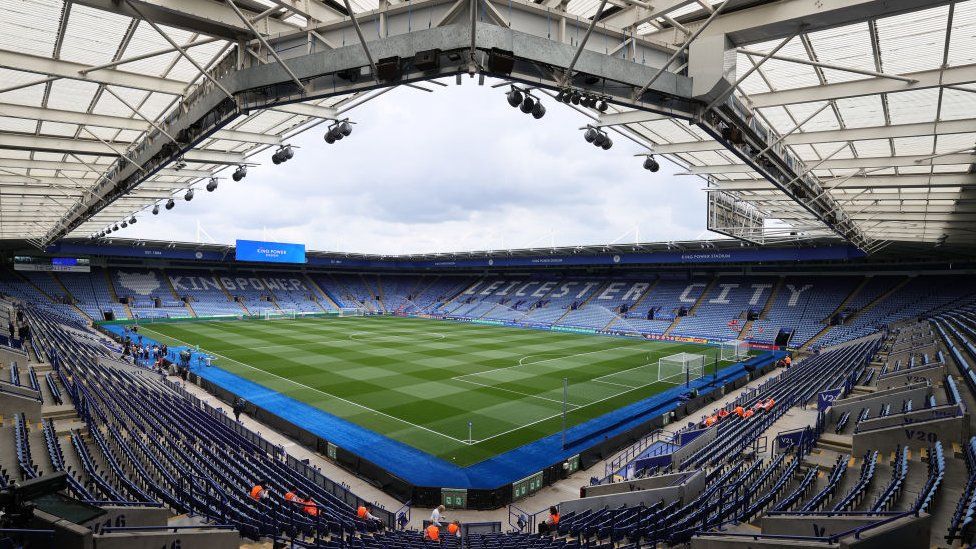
{"x":788,"y":362}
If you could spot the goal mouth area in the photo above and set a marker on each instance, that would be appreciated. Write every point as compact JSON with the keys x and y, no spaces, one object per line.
{"x":680,"y":368}
{"x":733,"y":349}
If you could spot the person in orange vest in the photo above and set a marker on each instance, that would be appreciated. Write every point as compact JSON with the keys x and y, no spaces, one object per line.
{"x":364,"y":512}
{"x":739,"y":411}
{"x":710,"y":420}
{"x":722,"y":413}
{"x":258,"y":492}
{"x":311,"y":508}
{"x":747,"y":414}
{"x":551,"y":522}
{"x":432,"y":533}
{"x":454,"y":528}
{"x":788,"y":361}
{"x":290,"y":495}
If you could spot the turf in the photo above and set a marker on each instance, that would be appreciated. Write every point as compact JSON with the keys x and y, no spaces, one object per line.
{"x":422,"y":381}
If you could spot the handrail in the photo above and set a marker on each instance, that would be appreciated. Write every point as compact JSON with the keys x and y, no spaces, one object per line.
{"x":856,"y":531}
{"x":110,"y":529}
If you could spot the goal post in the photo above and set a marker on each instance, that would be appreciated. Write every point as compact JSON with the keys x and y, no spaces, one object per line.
{"x":275,"y":314}
{"x":352,"y":311}
{"x":680,"y":368}
{"x":734,"y":349}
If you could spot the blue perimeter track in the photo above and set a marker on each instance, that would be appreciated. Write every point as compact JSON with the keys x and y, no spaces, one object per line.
{"x":424,"y":470}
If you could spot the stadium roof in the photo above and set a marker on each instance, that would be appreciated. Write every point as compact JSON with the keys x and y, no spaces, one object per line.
{"x":878,"y":106}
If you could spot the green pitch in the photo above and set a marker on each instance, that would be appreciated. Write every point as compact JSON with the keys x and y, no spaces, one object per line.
{"x":421,"y":381}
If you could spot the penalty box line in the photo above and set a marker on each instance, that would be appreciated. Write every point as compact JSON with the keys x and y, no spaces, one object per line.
{"x":401,"y":420}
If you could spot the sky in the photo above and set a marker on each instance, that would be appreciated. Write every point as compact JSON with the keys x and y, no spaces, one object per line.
{"x":453,"y":170}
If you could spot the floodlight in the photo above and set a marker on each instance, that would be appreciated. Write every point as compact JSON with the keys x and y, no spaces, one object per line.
{"x":170,"y":203}
{"x":590,"y":135}
{"x":239,"y":173}
{"x":344,"y":127}
{"x":538,"y":111}
{"x":561,"y":95}
{"x":575,"y":98}
{"x":514,"y":97}
{"x":602,"y":106}
{"x":607,"y":143}
{"x":189,"y":195}
{"x":212,"y":185}
{"x":155,"y":210}
{"x":527,"y":104}
{"x":276,"y":158}
{"x":651,"y":165}
{"x":287,"y":152}
{"x":124,"y":224}
{"x":115,"y":228}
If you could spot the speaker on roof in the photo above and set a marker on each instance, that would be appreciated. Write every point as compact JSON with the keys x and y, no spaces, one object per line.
{"x":501,"y":61}
{"x":388,"y":68}
{"x":427,"y":60}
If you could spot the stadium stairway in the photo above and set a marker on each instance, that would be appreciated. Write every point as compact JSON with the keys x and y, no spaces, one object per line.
{"x":115,"y":296}
{"x":176,"y":296}
{"x":747,"y":326}
{"x":826,"y":329}
{"x":74,"y":304}
{"x":636,"y":304}
{"x":226,"y":292}
{"x":701,"y":298}
{"x":318,"y":291}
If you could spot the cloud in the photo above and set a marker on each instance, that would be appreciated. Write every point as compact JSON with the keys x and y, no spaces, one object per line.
{"x":457,"y":169}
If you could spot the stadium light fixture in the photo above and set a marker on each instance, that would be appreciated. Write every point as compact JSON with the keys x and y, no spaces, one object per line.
{"x":239,"y":173}
{"x":132,"y":220}
{"x":170,"y":204}
{"x":125,"y":223}
{"x":597,"y":137}
{"x":212,"y":185}
{"x":180,"y":164}
{"x":283,"y":154}
{"x":338,"y":130}
{"x":155,"y":210}
{"x":650,"y":164}
{"x":525,"y":102}
{"x":189,"y":195}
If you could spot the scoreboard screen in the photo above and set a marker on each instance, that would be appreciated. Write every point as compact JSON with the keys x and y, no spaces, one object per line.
{"x":61,"y":264}
{"x":269,"y":252}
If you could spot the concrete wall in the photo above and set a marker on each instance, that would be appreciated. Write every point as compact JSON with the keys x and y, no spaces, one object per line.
{"x":14,"y":399}
{"x":684,"y":492}
{"x":686,"y":451}
{"x":905,"y":533}
{"x":915,"y":435}
{"x":67,"y":535}
{"x":932,"y":373}
{"x":193,"y":539}
{"x":875,"y":401}
{"x":650,"y":483}
{"x":129,"y":516}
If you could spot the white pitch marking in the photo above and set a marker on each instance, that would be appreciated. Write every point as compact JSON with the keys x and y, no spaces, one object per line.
{"x":516,"y":392}
{"x":322,"y":392}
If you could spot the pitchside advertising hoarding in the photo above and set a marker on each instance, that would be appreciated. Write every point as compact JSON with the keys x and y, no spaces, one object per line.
{"x":269,"y":252}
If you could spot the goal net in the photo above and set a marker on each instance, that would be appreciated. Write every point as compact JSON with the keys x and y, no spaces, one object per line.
{"x":351,"y":311}
{"x":680,"y":368}
{"x":734,"y":349}
{"x":275,"y":314}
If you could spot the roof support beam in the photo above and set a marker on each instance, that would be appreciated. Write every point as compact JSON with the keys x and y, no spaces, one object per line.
{"x":952,"y":76}
{"x":101,"y":148}
{"x":849,"y":163}
{"x":776,"y":20}
{"x":858,"y":183}
{"x":66,"y":69}
{"x":201,"y":16}
{"x":856,"y":134}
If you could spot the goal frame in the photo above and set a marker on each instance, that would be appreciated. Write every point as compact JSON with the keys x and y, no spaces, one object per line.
{"x":680,"y":368}
{"x":733,"y":349}
{"x":351,"y":311}
{"x":275,"y":314}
